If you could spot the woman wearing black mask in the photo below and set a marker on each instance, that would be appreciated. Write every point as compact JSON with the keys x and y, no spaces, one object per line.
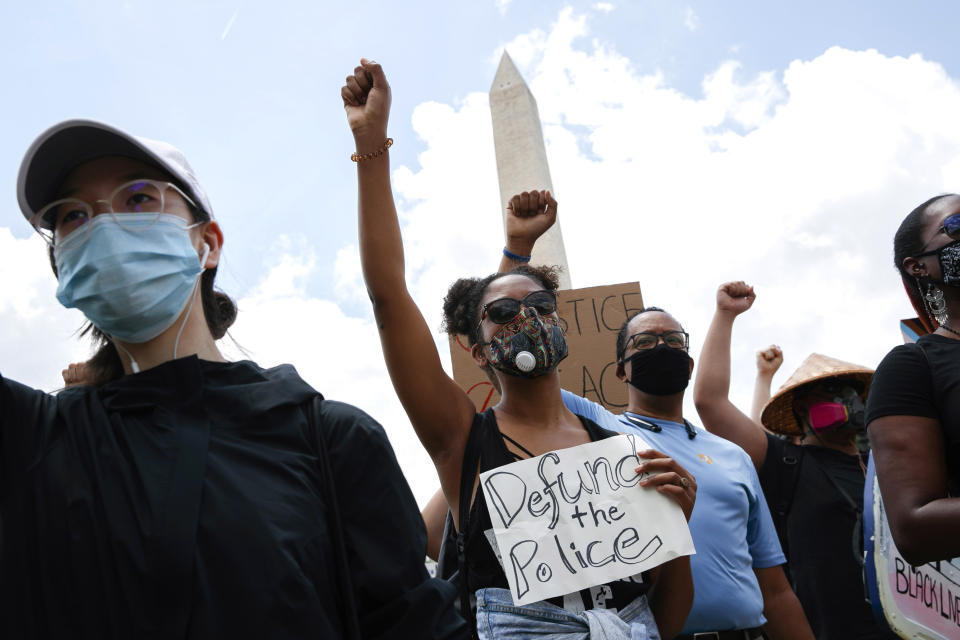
{"x":913,"y":412}
{"x":511,"y":323}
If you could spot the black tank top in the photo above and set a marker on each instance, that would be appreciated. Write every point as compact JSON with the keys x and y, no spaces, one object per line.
{"x":483,"y":570}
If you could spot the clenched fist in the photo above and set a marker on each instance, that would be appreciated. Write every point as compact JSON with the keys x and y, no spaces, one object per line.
{"x":366,"y":99}
{"x":529,"y":215}
{"x":769,"y":360}
{"x":735,"y":297}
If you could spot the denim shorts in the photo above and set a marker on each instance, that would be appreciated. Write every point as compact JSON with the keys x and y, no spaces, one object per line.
{"x":498,"y":618}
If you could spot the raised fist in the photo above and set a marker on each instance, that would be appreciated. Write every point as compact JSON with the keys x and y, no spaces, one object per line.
{"x":366,"y":99}
{"x":735,"y":297}
{"x":769,"y":360}
{"x":529,"y":215}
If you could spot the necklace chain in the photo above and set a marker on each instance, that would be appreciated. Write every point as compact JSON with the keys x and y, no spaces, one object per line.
{"x":651,"y":426}
{"x":950,"y":329}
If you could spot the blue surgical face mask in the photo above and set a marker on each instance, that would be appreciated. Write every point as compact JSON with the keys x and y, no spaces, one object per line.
{"x":131,"y":280}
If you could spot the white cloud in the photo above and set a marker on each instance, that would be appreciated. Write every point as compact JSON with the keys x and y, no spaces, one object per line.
{"x":604,"y":7}
{"x":348,"y":279}
{"x":747,"y":105}
{"x":338,"y":354}
{"x":794,"y":180}
{"x":502,"y":5}
{"x":38,"y":338}
{"x":690,"y":19}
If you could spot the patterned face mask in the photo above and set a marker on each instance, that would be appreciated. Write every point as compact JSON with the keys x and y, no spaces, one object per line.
{"x":529,"y":345}
{"x":949,"y":258}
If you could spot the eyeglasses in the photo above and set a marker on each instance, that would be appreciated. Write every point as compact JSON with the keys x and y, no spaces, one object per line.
{"x":504,"y":310}
{"x":60,"y":218}
{"x":644,"y":341}
{"x":950,"y":226}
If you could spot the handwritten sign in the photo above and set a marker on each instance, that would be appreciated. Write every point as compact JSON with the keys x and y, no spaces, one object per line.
{"x":591,"y":317}
{"x":575,"y":518}
{"x":915,"y":602}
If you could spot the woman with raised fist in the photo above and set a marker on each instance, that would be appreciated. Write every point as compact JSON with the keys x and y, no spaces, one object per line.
{"x":506,"y":318}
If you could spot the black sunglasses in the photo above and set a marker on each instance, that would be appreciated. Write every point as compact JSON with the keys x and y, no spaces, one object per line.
{"x":504,"y":310}
{"x":950,"y":226}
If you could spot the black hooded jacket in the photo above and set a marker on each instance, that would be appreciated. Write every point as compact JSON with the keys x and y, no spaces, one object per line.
{"x":186,"y":502}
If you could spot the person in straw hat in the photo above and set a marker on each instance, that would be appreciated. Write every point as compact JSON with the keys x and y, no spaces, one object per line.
{"x":913,"y":414}
{"x":814,"y":487}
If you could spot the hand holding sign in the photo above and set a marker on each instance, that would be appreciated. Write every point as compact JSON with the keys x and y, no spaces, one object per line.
{"x":529,"y":215}
{"x":670,"y":479}
{"x":574,"y":518}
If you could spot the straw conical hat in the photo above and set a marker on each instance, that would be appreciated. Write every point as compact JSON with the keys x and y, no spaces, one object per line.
{"x":778,"y":414}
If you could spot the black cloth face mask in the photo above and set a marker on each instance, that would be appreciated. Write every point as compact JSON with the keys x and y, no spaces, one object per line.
{"x":661,"y":371}
{"x":949,"y":258}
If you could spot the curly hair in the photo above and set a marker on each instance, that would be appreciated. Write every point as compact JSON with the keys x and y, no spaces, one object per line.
{"x":622,"y":334}
{"x":461,"y":306}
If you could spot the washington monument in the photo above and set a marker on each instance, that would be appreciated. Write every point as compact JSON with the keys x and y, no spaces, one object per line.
{"x":521,"y":155}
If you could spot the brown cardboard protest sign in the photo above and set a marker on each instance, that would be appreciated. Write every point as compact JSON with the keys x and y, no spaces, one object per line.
{"x":592,"y":318}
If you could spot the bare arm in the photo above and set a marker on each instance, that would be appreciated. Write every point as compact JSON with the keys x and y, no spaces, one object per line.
{"x":672,"y":596}
{"x":434,"y":518}
{"x":529,"y":215}
{"x":912,"y":471}
{"x":768,"y":362}
{"x":785,"y":617}
{"x":712,"y":387}
{"x":441,"y":413}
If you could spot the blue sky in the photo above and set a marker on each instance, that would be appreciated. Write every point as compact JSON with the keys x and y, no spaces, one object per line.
{"x":251,"y":90}
{"x":773,"y":142}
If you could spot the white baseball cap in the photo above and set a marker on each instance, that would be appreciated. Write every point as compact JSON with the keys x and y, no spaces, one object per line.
{"x":64,"y":146}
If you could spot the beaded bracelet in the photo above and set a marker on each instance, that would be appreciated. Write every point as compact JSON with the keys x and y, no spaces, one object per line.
{"x":514,"y":256}
{"x":358,"y":157}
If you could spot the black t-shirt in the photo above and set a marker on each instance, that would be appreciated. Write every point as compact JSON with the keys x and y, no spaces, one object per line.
{"x":484,"y":569}
{"x":923,"y":379}
{"x":822,"y":538}
{"x":186,"y":502}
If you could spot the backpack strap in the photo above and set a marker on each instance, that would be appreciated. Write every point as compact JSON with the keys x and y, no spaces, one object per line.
{"x":787,"y":480}
{"x":468,"y":473}
{"x":447,"y":558}
{"x":858,"y":527}
{"x":349,"y":606}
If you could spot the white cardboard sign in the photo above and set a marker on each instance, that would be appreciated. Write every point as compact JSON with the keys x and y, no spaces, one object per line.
{"x":575,"y":518}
